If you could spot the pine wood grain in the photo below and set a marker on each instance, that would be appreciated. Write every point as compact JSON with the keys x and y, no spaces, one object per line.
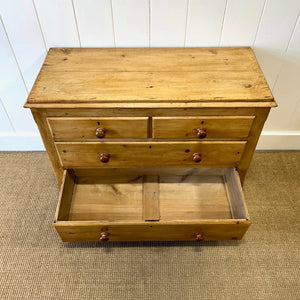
{"x":182,"y":206}
{"x":261,"y":115}
{"x":152,"y":231}
{"x":149,"y":60}
{"x":216,"y":127}
{"x":235,"y":195}
{"x":107,"y":199}
{"x":151,"y":75}
{"x":41,"y":121}
{"x":84,"y":128}
{"x":151,"y":198}
{"x":142,"y":154}
{"x":192,"y":197}
{"x":65,"y":196}
{"x":150,"y":102}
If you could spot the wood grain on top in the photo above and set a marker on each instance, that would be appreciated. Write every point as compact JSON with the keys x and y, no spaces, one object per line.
{"x":95,"y":75}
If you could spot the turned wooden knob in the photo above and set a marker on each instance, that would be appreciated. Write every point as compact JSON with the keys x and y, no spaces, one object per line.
{"x":201,"y":133}
{"x":199,"y":236}
{"x":104,"y":236}
{"x":104,"y":157}
{"x":100,"y":132}
{"x":197,"y":157}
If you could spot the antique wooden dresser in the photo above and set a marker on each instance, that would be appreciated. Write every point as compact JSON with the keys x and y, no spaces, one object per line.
{"x":150,"y":144}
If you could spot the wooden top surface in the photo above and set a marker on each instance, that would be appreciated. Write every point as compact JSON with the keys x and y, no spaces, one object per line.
{"x":150,"y":75}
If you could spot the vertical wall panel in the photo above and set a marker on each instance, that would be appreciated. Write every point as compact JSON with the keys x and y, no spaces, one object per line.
{"x":58,"y":23}
{"x":95,"y":24}
{"x":266,"y":24}
{"x":277,"y":23}
{"x":286,"y":90}
{"x":241,"y":22}
{"x":23,"y":29}
{"x":131,"y":22}
{"x":204,"y":24}
{"x":12,"y":89}
{"x":168,"y":23}
{"x":4,"y":121}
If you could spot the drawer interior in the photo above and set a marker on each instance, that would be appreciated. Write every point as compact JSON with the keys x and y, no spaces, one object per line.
{"x":161,"y":195}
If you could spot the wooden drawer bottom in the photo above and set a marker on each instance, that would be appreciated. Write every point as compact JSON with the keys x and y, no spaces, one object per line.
{"x":158,"y":204}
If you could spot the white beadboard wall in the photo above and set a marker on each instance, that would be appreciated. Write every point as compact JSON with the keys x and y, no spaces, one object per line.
{"x":28,"y":28}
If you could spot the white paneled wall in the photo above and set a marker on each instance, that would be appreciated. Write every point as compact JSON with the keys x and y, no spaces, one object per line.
{"x":22,"y":27}
{"x":131,"y":22}
{"x":58,"y":22}
{"x":204,"y":22}
{"x":168,"y":23}
{"x":95,"y":23}
{"x":13,"y":91}
{"x":241,"y":22}
{"x":28,"y":28}
{"x":274,"y":34}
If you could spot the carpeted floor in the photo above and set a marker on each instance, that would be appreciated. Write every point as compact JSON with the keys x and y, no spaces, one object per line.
{"x":35,"y":264}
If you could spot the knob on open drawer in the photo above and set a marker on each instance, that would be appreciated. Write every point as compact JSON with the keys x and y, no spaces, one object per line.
{"x":104,"y":237}
{"x":199,"y":236}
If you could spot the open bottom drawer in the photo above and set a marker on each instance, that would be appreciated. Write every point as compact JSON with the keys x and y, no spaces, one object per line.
{"x":161,"y":204}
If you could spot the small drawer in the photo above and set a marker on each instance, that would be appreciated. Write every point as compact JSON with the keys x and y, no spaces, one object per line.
{"x":202,"y":127}
{"x":142,"y":154}
{"x":158,"y":205}
{"x":98,"y":128}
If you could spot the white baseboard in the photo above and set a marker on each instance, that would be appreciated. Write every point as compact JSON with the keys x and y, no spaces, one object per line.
{"x":279,"y":140}
{"x":268,"y":141}
{"x":21,"y":142}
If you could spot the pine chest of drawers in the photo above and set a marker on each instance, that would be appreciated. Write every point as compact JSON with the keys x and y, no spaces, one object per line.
{"x":150,"y":144}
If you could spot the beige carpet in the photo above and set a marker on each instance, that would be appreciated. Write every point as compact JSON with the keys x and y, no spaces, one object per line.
{"x":35,"y":264}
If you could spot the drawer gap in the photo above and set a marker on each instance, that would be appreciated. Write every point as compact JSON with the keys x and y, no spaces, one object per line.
{"x":150,"y":130}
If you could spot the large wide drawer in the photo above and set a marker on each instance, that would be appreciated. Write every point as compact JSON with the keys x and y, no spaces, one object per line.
{"x":141,"y":154}
{"x":158,"y":204}
{"x":95,"y":128}
{"x":202,"y":127}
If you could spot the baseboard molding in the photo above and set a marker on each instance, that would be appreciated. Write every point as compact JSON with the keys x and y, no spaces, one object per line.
{"x":268,"y":141}
{"x":21,"y":142}
{"x":279,"y":140}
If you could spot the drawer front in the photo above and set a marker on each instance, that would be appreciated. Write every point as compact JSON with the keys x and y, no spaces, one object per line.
{"x":141,"y":154}
{"x":201,"y":127}
{"x":98,"y":128}
{"x":206,"y":230}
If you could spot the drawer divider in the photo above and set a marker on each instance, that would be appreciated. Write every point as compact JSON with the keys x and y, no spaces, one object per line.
{"x":151,"y":198}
